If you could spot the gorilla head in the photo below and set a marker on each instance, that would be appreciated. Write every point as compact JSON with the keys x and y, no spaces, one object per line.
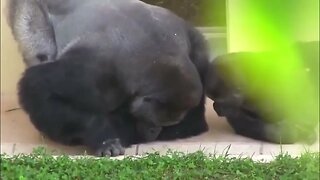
{"x":159,"y":105}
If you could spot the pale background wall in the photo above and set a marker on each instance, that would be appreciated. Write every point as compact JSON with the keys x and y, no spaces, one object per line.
{"x":11,"y":62}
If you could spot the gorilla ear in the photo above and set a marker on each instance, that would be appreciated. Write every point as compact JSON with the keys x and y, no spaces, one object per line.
{"x":148,"y":99}
{"x":140,"y":101}
{"x":140,"y":104}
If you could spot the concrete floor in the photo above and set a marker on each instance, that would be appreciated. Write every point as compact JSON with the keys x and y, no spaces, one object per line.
{"x":19,"y":136}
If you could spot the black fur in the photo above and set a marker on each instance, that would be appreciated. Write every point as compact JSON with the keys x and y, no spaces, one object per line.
{"x":138,"y":64}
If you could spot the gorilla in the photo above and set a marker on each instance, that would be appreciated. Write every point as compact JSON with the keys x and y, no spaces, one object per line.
{"x":108,"y":74}
{"x":243,"y":114}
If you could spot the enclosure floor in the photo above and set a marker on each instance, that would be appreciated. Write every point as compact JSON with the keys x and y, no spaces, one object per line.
{"x":19,"y":136}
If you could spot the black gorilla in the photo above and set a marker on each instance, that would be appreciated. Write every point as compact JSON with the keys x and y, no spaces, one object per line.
{"x":108,"y":74}
{"x":244,"y":115}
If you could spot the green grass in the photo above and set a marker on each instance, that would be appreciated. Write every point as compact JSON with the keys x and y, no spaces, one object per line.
{"x":41,"y":165}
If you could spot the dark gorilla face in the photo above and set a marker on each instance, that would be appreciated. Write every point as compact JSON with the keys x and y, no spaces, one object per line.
{"x":152,"y":115}
{"x":148,"y":132}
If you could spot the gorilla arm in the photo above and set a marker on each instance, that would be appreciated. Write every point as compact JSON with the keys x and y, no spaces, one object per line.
{"x":32,"y":30}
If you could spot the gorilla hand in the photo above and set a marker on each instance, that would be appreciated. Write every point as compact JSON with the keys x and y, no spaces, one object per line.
{"x":110,"y":147}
